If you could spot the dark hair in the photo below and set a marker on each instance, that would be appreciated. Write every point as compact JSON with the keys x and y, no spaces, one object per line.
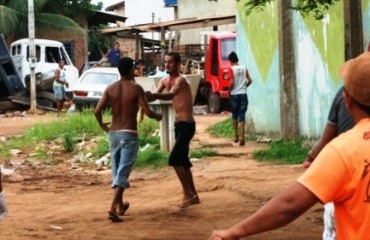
{"x":363,"y":107}
{"x":125,"y":66}
{"x":139,"y":61}
{"x":176,"y":56}
{"x":233,"y":57}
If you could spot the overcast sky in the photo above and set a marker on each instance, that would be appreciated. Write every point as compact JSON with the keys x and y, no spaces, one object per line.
{"x":140,"y":11}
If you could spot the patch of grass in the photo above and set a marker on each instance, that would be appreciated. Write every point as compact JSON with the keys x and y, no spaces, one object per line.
{"x":204,"y":152}
{"x":283,"y":152}
{"x":151,"y":158}
{"x":225,"y":129}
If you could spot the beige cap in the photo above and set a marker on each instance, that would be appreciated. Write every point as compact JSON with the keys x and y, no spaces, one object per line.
{"x":356,"y":76}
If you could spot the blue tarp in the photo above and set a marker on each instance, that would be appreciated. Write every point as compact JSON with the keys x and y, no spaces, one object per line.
{"x":170,"y":3}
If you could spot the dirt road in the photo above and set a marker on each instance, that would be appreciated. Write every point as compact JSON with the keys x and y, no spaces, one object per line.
{"x":58,"y":202}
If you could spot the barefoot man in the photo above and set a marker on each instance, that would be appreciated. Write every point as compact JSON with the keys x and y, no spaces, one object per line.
{"x":124,"y":98}
{"x":179,"y":91}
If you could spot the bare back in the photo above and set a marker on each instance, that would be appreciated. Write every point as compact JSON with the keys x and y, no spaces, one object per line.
{"x":124,"y":98}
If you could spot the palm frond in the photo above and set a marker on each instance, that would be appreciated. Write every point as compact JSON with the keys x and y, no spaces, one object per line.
{"x":47,"y":21}
{"x":20,"y":6}
{"x":39,"y":4}
{"x":8,"y":20}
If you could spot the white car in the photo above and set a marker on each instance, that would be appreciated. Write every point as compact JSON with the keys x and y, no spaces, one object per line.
{"x":92,"y":84}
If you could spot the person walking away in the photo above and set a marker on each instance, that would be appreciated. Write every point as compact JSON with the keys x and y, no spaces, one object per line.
{"x":239,"y":81}
{"x":124,"y":98}
{"x":179,"y":91}
{"x":59,"y":83}
{"x":342,"y":165}
{"x":339,"y":121}
{"x":3,"y":205}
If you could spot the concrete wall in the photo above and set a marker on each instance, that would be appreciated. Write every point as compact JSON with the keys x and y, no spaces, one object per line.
{"x":319,"y":48}
{"x":196,"y":8}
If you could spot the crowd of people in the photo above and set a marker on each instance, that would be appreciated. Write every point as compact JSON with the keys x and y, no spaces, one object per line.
{"x":337,"y":167}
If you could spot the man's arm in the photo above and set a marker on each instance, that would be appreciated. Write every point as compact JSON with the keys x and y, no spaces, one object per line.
{"x":249,"y":79}
{"x":329,"y":133}
{"x":57,"y":77}
{"x":158,"y":93}
{"x":145,"y":107}
{"x":276,"y":213}
{"x":98,"y":111}
{"x":231,"y":77}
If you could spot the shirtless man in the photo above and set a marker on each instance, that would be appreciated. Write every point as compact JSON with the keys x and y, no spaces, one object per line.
{"x":179,"y":91}
{"x":124,"y":98}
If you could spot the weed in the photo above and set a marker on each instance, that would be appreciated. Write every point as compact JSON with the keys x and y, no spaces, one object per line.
{"x":204,"y":152}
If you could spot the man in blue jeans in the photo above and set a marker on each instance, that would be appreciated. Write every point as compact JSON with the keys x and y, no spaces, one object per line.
{"x":124,"y":97}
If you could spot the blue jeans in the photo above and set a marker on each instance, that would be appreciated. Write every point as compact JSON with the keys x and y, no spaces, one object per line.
{"x":239,"y":105}
{"x":123,"y":150}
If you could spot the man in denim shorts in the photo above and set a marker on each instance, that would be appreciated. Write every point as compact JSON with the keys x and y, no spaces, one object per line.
{"x":179,"y":91}
{"x":60,"y":81}
{"x":124,"y":97}
{"x":239,"y":81}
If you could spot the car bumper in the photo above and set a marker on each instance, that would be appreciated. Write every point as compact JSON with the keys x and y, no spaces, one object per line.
{"x":85,"y":102}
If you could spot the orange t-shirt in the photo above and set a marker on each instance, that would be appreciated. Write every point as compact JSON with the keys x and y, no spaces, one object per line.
{"x":341,"y":173}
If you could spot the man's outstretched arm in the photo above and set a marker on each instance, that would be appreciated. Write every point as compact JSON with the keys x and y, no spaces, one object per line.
{"x":276,"y":213}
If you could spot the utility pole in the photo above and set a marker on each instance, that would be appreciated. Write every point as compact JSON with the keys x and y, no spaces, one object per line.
{"x":32,"y":59}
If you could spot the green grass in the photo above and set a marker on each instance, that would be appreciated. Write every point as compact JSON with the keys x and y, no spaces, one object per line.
{"x":225,"y":129}
{"x":204,"y":152}
{"x":283,"y":152}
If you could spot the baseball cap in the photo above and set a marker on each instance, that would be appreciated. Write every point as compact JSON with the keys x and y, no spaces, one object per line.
{"x":356,"y":75}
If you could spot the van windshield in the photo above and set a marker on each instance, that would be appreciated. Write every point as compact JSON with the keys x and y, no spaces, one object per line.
{"x":227,"y":46}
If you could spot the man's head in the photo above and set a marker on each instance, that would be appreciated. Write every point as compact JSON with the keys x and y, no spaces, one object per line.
{"x":116,"y":46}
{"x":356,"y":76}
{"x":62,"y":63}
{"x":233,"y":57}
{"x":126,"y":67}
{"x":172,"y":62}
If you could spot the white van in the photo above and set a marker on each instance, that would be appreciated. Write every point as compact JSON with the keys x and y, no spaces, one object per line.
{"x":48,"y":53}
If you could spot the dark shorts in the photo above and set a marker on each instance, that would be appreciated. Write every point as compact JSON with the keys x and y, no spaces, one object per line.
{"x":239,"y":105}
{"x":179,"y":156}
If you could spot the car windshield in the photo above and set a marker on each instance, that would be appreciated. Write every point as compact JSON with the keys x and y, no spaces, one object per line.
{"x":227,"y":46}
{"x":99,"y":78}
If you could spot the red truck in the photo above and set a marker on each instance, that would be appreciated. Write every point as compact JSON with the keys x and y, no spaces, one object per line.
{"x":216,"y":83}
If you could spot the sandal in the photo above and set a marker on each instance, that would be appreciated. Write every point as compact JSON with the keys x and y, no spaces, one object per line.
{"x":126,"y":205}
{"x":114,"y":217}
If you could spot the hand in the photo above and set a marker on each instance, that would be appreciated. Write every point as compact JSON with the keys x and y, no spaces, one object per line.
{"x":66,"y":83}
{"x":158,"y":116}
{"x":306,"y":164}
{"x":105,"y":127}
{"x":149,"y":96}
{"x":3,"y":206}
{"x":222,"y":235}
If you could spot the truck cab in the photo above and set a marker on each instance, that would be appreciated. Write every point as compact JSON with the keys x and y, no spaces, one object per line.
{"x":48,"y":54}
{"x":216,"y":81}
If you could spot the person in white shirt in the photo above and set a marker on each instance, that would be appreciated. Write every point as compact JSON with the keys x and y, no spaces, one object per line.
{"x":239,"y":81}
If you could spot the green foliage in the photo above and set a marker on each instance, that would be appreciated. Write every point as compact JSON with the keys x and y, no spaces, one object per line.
{"x":71,"y":8}
{"x":306,"y":7}
{"x":284,"y":152}
{"x":204,"y":152}
{"x":102,"y":147}
{"x":68,"y":141}
{"x":14,"y":17}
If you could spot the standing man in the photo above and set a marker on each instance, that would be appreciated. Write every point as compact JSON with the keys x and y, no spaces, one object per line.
{"x":339,"y":121}
{"x":124,"y":98}
{"x":114,"y":55}
{"x":3,"y":206}
{"x":58,"y":86}
{"x":179,"y":91}
{"x":239,"y":81}
{"x":340,"y":173}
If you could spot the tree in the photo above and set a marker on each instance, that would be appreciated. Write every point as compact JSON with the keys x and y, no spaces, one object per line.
{"x":14,"y":19}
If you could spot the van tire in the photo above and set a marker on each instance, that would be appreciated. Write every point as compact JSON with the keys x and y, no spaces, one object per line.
{"x":214,"y":102}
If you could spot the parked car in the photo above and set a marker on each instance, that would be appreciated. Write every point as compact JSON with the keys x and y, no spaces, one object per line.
{"x":92,"y":84}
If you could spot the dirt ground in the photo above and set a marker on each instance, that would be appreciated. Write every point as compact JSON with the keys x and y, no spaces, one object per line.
{"x":61,"y":202}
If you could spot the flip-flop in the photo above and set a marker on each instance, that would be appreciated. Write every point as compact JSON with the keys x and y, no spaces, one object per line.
{"x":126,"y":205}
{"x":114,"y":217}
{"x":186,"y":204}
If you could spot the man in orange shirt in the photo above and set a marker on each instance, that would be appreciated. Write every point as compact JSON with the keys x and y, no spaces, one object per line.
{"x":340,"y":173}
